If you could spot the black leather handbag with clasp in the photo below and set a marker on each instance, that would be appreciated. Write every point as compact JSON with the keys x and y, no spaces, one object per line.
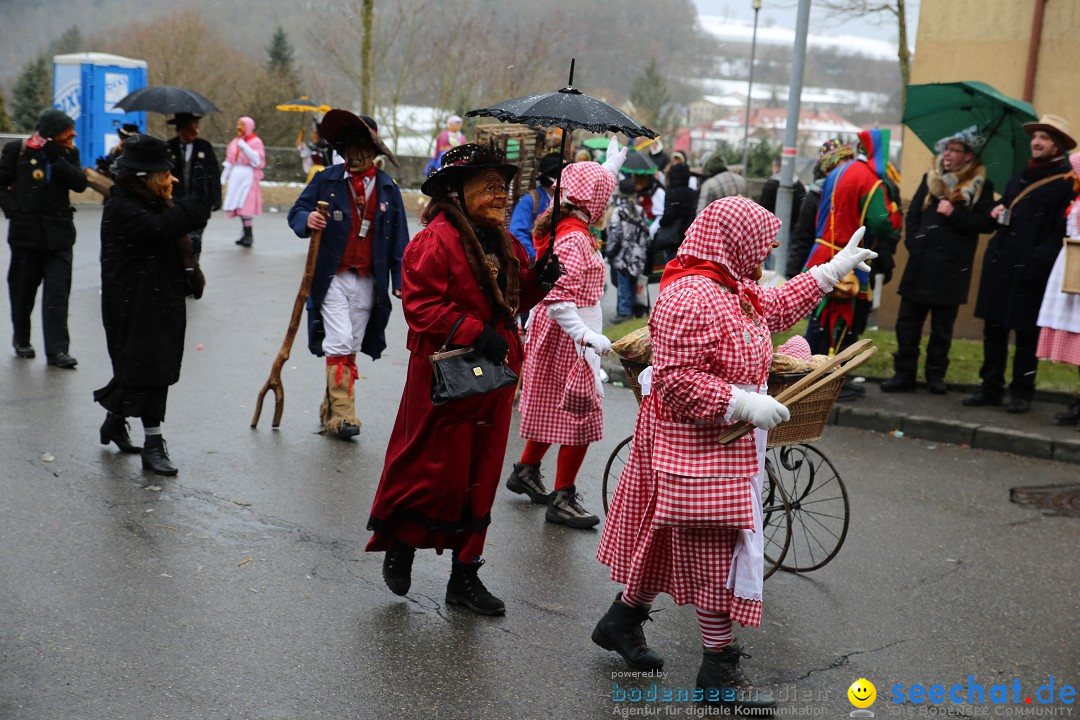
{"x":464,"y":372}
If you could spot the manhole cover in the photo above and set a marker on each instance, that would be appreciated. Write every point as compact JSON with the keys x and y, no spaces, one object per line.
{"x":1055,"y":499}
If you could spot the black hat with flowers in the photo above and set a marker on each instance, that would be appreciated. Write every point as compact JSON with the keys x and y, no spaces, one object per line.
{"x":462,"y":161}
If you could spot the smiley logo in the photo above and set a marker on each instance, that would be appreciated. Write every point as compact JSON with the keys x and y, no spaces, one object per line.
{"x":862,"y":693}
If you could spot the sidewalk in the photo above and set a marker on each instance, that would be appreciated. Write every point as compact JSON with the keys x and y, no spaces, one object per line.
{"x":942,"y":418}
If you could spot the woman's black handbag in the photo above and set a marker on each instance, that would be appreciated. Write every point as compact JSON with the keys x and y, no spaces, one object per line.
{"x":464,"y":372}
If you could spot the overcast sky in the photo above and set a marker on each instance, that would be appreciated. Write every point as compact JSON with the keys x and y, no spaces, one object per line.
{"x":782,"y":13}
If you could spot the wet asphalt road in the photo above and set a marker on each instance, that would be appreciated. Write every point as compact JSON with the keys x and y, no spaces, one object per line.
{"x":240,"y":588}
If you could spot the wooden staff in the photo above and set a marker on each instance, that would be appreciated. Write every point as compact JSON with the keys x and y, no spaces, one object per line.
{"x":274,"y":381}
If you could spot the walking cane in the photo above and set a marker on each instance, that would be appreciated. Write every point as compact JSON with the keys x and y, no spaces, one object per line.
{"x":274,"y":381}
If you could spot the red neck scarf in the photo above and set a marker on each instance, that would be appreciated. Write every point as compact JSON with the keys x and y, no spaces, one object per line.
{"x":566,"y":225}
{"x":687,"y":265}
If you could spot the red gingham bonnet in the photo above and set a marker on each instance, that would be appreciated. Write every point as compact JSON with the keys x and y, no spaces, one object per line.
{"x":588,"y":186}
{"x":734,"y":232}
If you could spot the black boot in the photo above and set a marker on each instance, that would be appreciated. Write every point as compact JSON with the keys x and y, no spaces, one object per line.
{"x":1071,"y":416}
{"x":466,"y":589}
{"x":155,"y":456}
{"x":723,"y":681}
{"x":247,"y":239}
{"x":527,"y":480}
{"x":898,"y":384}
{"x":115,"y":429}
{"x":984,"y":396}
{"x":621,"y":630}
{"x":397,"y":568}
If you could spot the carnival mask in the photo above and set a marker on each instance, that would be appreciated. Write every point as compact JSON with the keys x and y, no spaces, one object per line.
{"x":161,"y":184}
{"x":485,"y":198}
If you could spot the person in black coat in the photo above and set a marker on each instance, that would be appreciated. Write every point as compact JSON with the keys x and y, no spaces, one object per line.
{"x":195,"y":166}
{"x":146,"y":273}
{"x":36,"y":179}
{"x":948,"y":212}
{"x":680,"y":208}
{"x":1018,"y":261}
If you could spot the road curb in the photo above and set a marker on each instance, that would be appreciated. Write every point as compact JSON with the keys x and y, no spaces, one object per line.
{"x":923,"y":427}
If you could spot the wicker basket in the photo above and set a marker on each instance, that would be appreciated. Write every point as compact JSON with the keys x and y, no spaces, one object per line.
{"x":808,"y":416}
{"x":524,"y":146}
{"x":633,"y":369}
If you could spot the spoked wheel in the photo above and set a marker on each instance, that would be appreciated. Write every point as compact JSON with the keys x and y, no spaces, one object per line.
{"x":619,"y":456}
{"x":776,"y":523}
{"x":819,"y":504}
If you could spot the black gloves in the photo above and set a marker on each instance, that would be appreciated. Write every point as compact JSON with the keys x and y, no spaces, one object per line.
{"x":549,"y":273}
{"x":52,"y":150}
{"x":491,"y":344}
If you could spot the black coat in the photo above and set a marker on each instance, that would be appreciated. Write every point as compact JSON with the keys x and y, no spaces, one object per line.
{"x":941,"y":250}
{"x":771,"y":189}
{"x":680,"y":208}
{"x":1020,"y":256}
{"x":143,"y":285}
{"x":205,"y":180}
{"x":35,"y":197}
{"x":803,"y":232}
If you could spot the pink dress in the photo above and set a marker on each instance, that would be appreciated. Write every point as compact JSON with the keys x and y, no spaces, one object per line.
{"x":550,"y":352}
{"x":245,"y":159}
{"x":1059,"y":314}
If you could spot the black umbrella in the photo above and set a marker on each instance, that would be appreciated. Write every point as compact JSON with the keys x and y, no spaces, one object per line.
{"x":638,"y":163}
{"x":167,"y":100}
{"x":569,"y":109}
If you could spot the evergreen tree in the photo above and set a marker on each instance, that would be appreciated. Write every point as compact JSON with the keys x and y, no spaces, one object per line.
{"x":651,"y":98}
{"x":6,"y":125}
{"x":70,"y":42}
{"x":280,"y":54}
{"x":32,"y":94}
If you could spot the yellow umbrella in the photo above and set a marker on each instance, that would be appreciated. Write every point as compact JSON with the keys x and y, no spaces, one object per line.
{"x":303,"y":104}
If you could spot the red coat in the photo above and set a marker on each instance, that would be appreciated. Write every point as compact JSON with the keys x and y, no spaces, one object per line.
{"x":443,"y":463}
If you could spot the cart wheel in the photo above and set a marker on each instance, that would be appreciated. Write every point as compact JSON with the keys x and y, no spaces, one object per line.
{"x":776,"y":522}
{"x":614,"y":468}
{"x":819,"y":505}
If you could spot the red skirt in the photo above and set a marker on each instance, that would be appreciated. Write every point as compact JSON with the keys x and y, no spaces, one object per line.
{"x":1059,"y":346}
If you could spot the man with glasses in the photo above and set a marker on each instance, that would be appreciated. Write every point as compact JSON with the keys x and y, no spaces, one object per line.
{"x":364,"y":234}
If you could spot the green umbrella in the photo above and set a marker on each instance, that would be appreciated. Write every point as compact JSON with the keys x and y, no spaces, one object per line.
{"x":938,"y":110}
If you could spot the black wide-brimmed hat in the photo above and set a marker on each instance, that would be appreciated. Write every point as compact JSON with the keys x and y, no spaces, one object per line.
{"x":144,"y":153}
{"x":459,"y":162}
{"x":338,"y":126}
{"x":183,"y":119}
{"x":127,"y":130}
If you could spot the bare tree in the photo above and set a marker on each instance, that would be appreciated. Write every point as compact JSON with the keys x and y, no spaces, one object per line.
{"x":889,"y":10}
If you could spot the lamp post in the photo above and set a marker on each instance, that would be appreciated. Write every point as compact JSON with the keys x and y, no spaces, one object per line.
{"x":749,"y":91}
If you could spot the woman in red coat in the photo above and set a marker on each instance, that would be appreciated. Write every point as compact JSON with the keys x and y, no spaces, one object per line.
{"x":686,"y":516}
{"x":443,"y":462}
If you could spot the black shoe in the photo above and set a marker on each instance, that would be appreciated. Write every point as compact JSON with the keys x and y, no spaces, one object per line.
{"x":466,"y":589}
{"x":397,"y":568}
{"x":62,"y":360}
{"x":1070,"y":417}
{"x":641,"y":310}
{"x":115,"y":429}
{"x":155,"y":456}
{"x":850,"y":392}
{"x":621,"y":631}
{"x":247,"y":239}
{"x":621,"y":319}
{"x":982,"y":398}
{"x":348,"y":431}
{"x":1018,"y":405}
{"x":566,"y":509}
{"x":898,"y":384}
{"x":527,"y":480}
{"x":25,"y":351}
{"x":937,"y":386}
{"x":723,"y":681}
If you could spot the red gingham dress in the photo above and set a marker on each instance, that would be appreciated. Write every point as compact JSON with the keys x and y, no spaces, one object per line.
{"x":549,"y":351}
{"x":705,"y":338}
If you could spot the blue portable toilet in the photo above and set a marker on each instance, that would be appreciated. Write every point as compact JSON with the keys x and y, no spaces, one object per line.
{"x":87,"y":87}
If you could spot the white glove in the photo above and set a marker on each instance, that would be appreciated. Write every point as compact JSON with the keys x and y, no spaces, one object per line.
{"x":615,"y":157}
{"x":757,"y":409}
{"x":569,"y":320}
{"x":851,"y":257}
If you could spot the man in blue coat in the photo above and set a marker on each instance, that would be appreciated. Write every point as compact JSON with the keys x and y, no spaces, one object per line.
{"x":359,"y":262}
{"x":533,"y":203}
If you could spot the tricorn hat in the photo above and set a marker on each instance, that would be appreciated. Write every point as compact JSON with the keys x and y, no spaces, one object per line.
{"x":144,"y":154}
{"x":338,"y":126}
{"x":182,"y":119}
{"x":462,"y":160}
{"x":1057,"y":127}
{"x":127,"y":130}
{"x":547,"y":169}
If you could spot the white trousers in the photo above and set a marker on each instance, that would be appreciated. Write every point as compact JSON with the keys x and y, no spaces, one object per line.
{"x":345,"y":312}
